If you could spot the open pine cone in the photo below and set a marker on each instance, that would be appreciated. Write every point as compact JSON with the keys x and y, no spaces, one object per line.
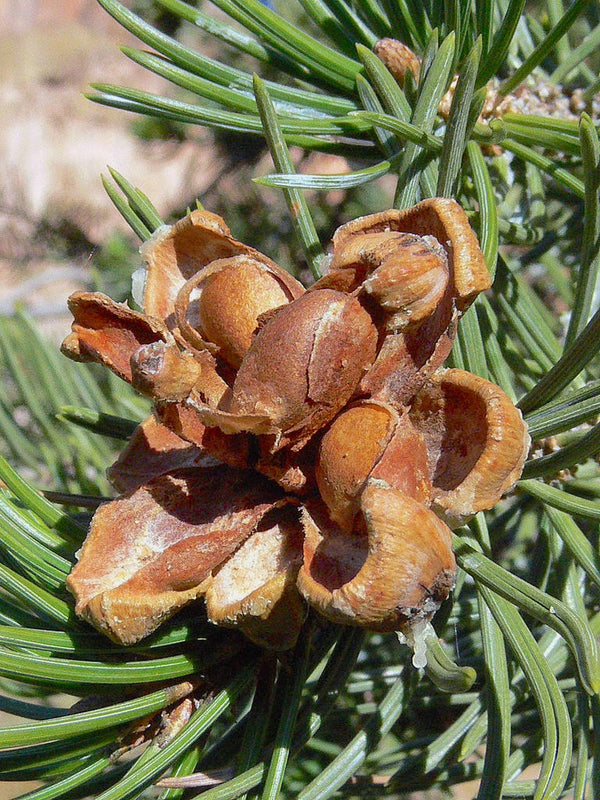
{"x":306,"y":445}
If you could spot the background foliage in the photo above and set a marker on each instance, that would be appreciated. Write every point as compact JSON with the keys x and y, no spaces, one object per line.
{"x":515,"y":678}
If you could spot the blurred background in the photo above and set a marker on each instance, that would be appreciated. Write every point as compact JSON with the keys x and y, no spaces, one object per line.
{"x":58,"y":229}
{"x":57,"y":226}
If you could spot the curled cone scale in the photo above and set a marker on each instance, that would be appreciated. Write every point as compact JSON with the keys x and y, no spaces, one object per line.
{"x":163,"y":372}
{"x":399,"y":572}
{"x":153,"y":450}
{"x":291,"y":384}
{"x":153,"y":550}
{"x":404,"y":275}
{"x":439,"y":219}
{"x":177,"y":253}
{"x":255,"y":589}
{"x":477,"y":442}
{"x":108,"y":332}
{"x":369,"y":440}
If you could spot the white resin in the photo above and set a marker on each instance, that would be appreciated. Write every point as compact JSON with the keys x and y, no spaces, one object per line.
{"x":416,"y":637}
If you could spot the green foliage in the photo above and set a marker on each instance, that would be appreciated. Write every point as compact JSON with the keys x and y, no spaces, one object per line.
{"x":515,"y":678}
{"x":112,"y":265}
